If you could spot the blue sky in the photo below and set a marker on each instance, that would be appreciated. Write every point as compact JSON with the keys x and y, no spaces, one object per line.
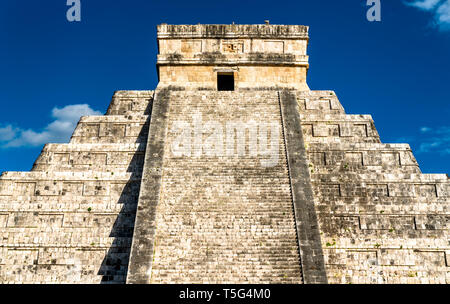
{"x":53,"y":71}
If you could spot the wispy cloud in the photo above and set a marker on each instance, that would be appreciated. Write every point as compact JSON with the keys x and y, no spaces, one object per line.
{"x":425,"y":130}
{"x":424,"y":4}
{"x":436,"y":140}
{"x":7,"y":133}
{"x":439,"y":8}
{"x":58,"y":131}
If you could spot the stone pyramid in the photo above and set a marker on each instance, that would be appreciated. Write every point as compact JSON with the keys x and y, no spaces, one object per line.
{"x":231,"y":171}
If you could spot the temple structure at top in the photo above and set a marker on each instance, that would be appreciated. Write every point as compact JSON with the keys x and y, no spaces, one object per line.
{"x":233,"y":56}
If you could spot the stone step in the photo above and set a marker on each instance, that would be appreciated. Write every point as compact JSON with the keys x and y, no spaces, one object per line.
{"x":26,"y":176}
{"x":131,"y":103}
{"x":346,"y":157}
{"x":396,"y":225}
{"x":357,"y":146}
{"x":383,"y":239}
{"x":228,"y":209}
{"x":75,"y":237}
{"x":50,"y":275}
{"x":113,"y":204}
{"x":51,"y":220}
{"x":64,"y":192}
{"x":385,"y":275}
{"x":88,"y":184}
{"x":319,"y":102}
{"x":91,"y":157}
{"x":339,"y":129}
{"x":430,"y":189}
{"x":381,"y":204}
{"x":385,"y":177}
{"x":111,"y":129}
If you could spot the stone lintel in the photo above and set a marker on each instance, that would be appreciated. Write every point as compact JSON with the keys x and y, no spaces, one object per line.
{"x":265,"y":59}
{"x":168,"y":31}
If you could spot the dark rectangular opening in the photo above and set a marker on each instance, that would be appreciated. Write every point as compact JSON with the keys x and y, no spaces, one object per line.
{"x":225,"y":82}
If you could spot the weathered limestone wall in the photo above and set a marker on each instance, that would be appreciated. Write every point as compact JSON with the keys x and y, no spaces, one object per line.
{"x":245,"y":77}
{"x":381,"y":220}
{"x":71,"y":219}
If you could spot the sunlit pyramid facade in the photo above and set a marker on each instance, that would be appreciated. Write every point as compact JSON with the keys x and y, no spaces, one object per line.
{"x":231,"y":171}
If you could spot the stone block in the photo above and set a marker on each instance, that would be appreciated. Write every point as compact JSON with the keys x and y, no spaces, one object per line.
{"x":402,"y":190}
{"x":386,"y":222}
{"x":433,"y":221}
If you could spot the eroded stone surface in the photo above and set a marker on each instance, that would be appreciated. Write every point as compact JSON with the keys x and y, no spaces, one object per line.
{"x":338,"y":206}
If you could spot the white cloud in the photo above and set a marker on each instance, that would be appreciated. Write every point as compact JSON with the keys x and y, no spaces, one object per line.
{"x":437,"y":140}
{"x":443,"y":15}
{"x":7,"y":133}
{"x":58,"y":131}
{"x":425,"y":129}
{"x":439,"y":8}
{"x":424,"y":4}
